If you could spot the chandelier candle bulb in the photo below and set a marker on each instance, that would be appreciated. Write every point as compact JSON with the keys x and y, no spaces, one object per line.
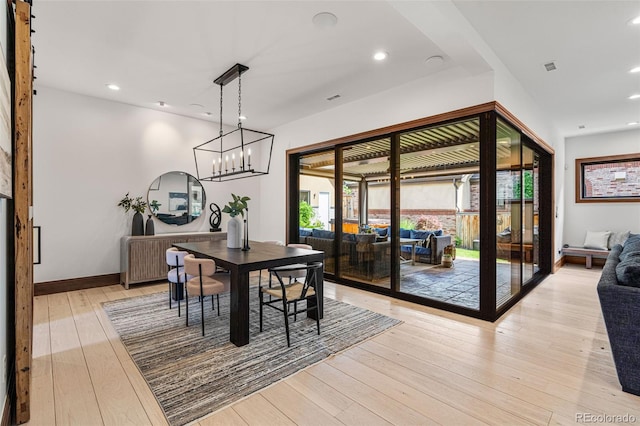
{"x":241,"y":160}
{"x":249,"y":157}
{"x":226,"y":164}
{"x":220,"y":165}
{"x":233,"y":161}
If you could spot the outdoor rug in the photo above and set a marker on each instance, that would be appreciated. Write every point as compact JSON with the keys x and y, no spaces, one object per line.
{"x":192,"y":376}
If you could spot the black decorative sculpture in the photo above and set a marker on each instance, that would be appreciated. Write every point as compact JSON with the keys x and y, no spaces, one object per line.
{"x":215,"y":218}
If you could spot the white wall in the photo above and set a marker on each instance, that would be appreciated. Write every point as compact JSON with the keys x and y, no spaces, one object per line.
{"x":581,"y":217}
{"x":88,"y":153}
{"x":422,"y":98}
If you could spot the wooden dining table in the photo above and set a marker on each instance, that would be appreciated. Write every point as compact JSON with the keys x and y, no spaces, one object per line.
{"x":240,"y":263}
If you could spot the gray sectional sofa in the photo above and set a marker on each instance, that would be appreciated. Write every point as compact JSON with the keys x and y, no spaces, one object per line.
{"x":619,"y":293}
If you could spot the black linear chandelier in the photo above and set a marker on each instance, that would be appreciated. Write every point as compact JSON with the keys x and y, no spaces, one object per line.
{"x":238,"y":154}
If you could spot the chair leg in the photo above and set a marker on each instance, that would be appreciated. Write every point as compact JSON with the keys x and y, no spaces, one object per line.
{"x":212,"y":307}
{"x":261,"y":303}
{"x":286,"y":320}
{"x":317,"y":314}
{"x":186,"y":306}
{"x":295,"y":311}
{"x":218,"y":302}
{"x":179,"y":296}
{"x":202,"y":312}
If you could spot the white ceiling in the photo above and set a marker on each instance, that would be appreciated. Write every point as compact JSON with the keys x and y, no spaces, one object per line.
{"x":172,"y":51}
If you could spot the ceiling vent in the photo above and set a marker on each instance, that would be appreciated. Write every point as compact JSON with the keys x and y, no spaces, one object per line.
{"x":550,"y":66}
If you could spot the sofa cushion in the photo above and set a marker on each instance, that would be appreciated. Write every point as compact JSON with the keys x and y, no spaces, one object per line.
{"x":597,"y":240}
{"x":617,"y":238}
{"x":632,"y":244}
{"x":348,"y":237}
{"x":405,"y":233}
{"x":628,"y":270}
{"x":420,"y":235}
{"x":322,"y":233}
{"x":381,"y":231}
{"x":423,"y":251}
{"x":305,"y":232}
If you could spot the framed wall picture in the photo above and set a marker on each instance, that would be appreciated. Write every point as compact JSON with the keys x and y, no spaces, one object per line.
{"x":614,"y":178}
{"x":6,"y":181}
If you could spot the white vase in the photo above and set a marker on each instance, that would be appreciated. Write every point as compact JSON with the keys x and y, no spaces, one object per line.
{"x":234,"y":233}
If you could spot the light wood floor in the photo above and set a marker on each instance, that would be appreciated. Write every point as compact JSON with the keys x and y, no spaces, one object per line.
{"x":544,"y":362}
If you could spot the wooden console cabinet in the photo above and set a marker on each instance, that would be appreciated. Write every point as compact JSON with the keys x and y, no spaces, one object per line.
{"x":143,"y":258}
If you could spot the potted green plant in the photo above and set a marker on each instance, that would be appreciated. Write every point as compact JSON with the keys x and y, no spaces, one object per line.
{"x":238,"y":206}
{"x":139,"y":206}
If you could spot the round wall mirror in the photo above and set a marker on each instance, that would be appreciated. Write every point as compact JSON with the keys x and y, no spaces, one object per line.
{"x":176,"y":198}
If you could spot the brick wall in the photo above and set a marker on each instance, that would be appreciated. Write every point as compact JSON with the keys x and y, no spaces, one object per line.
{"x":600,"y":179}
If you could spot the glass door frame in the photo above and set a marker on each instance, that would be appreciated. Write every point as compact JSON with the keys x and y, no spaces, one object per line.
{"x":487,"y":115}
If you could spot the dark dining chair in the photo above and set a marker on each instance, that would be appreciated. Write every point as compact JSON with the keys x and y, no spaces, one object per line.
{"x":291,"y":293}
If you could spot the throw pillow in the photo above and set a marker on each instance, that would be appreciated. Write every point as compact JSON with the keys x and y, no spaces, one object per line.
{"x":419,"y":235}
{"x":632,"y":244}
{"x":597,"y":240}
{"x":617,"y":238}
{"x":628,"y":270}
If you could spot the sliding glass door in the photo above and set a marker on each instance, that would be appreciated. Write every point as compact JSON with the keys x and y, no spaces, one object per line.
{"x":406,"y":212}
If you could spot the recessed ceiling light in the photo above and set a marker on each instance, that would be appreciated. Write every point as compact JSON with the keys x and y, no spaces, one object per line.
{"x":636,"y":20}
{"x":324,"y":20}
{"x":112,"y":86}
{"x":242,"y":117}
{"x":208,"y":114}
{"x":633,"y":123}
{"x":162,"y":104}
{"x":634,"y":70}
{"x":636,"y":96}
{"x":196,"y":106}
{"x":380,"y":56}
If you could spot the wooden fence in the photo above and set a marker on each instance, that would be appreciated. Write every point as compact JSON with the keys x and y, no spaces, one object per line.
{"x":468,"y":227}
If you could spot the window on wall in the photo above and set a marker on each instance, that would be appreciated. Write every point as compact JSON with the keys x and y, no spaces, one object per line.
{"x":608,"y":179}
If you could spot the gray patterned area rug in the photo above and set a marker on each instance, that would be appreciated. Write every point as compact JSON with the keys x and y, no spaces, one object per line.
{"x":192,"y":376}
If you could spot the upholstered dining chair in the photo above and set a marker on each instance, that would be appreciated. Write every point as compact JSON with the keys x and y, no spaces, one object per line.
{"x":292,"y":293}
{"x":176,"y":275}
{"x":204,"y":283}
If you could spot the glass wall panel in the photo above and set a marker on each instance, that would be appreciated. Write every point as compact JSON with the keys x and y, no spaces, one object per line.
{"x":366,"y":199}
{"x":317,"y":205}
{"x":439,"y":213}
{"x":509,"y":212}
{"x":528,"y":213}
